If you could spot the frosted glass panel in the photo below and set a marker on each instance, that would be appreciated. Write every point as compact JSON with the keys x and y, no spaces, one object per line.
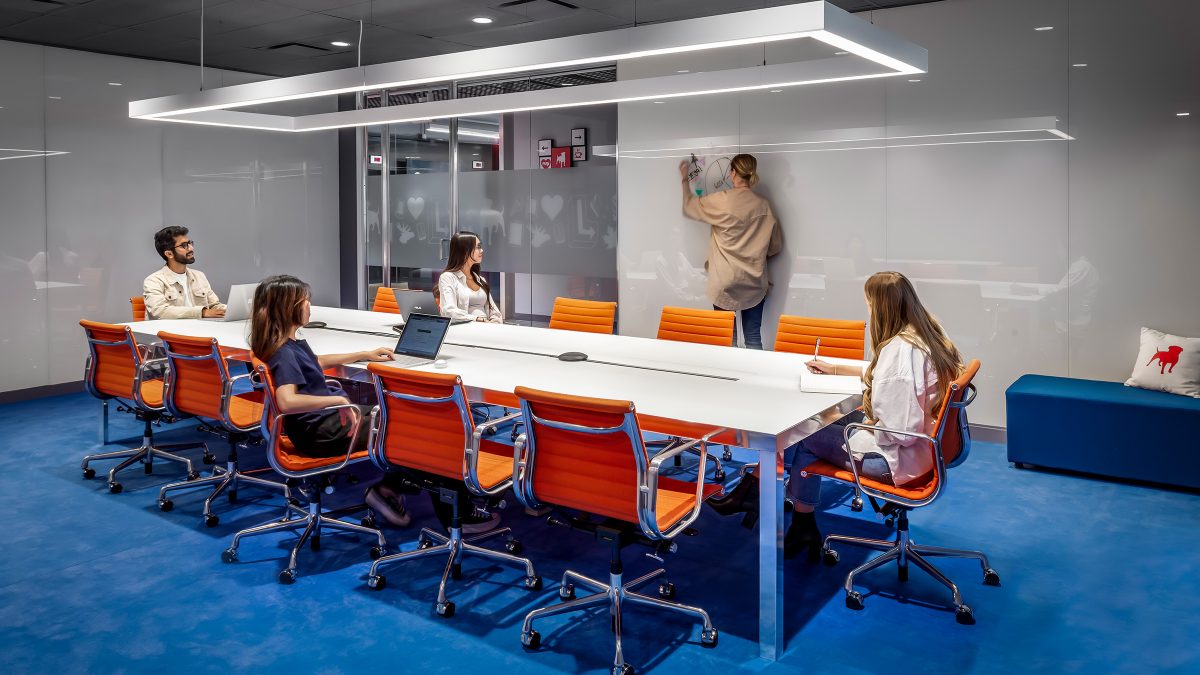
{"x":495,"y":205}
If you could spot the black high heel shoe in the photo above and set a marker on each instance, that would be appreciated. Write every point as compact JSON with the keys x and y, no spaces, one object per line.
{"x":741,"y":499}
{"x":802,"y":534}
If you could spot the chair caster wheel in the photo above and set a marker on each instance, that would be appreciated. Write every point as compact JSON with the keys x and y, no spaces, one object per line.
{"x":623,"y":669}
{"x":444,"y":609}
{"x":531,"y":640}
{"x":514,"y":547}
{"x":211,"y":520}
{"x":89,"y":474}
{"x":726,"y":455}
{"x":902,"y":573}
{"x":854,"y":600}
{"x":376,"y":552}
{"x":232,"y":496}
{"x":115,"y":488}
{"x":165,"y":505}
{"x":456,"y":572}
{"x":719,"y":474}
{"x":964,"y":615}
{"x":666,"y":590}
{"x":209,"y":459}
{"x":830,"y":557}
{"x":890,"y":522}
{"x":991,"y":578}
{"x":377,"y":582}
{"x":708,"y":638}
{"x":192,"y":475}
{"x":287,"y":577}
{"x":566,"y":592}
{"x":149,"y":469}
{"x":314,"y":544}
{"x":370,"y":522}
{"x":533,"y":583}
{"x":229,"y":555}
{"x":423,"y":544}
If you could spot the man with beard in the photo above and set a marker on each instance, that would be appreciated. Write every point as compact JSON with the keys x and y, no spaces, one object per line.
{"x":177,"y":291}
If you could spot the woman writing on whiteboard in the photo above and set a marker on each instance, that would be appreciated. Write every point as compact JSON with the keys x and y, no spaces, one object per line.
{"x":462,"y":290}
{"x":904,"y":386}
{"x":743,"y":233}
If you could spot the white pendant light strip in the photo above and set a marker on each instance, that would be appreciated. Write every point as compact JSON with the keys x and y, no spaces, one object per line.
{"x":880,"y":55}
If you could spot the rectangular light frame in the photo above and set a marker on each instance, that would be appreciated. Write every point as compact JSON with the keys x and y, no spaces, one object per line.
{"x":885,"y":55}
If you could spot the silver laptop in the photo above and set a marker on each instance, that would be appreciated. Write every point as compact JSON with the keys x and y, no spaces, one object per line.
{"x":421,"y":339}
{"x":238,"y":303}
{"x":421,"y":302}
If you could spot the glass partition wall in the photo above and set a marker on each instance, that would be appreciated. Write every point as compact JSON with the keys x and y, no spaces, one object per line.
{"x":547,"y":231}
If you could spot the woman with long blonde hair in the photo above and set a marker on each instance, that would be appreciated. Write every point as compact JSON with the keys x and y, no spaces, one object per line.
{"x":905,"y":383}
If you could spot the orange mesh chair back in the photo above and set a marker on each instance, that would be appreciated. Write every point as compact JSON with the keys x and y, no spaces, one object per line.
{"x":199,"y":384}
{"x":138,"y":304}
{"x":426,"y":424}
{"x":840,"y":338}
{"x":114,"y":366}
{"x":587,"y":316}
{"x":385,"y":301}
{"x":588,"y":454}
{"x":702,"y":326}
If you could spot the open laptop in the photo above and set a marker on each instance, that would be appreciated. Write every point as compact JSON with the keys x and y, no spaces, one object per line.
{"x":238,"y":303}
{"x":420,"y":340}
{"x":421,"y":302}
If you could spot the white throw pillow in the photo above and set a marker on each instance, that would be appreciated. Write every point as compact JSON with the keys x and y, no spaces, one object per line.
{"x":1167,"y":363}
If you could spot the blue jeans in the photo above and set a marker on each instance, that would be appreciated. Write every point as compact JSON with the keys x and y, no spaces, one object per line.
{"x":751,"y":325}
{"x":828,"y":444}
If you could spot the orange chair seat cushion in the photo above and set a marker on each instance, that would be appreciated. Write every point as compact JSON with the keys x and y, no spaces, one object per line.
{"x":914,"y":491}
{"x":676,"y":498}
{"x":152,"y":393}
{"x":245,"y":411}
{"x":495,"y":463}
{"x":289,"y":459}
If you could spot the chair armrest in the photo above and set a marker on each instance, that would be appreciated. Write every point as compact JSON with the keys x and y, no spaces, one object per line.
{"x":520,"y":464}
{"x":649,"y":489}
{"x":277,"y":424}
{"x":471,"y":460}
{"x":139,"y":376}
{"x":858,"y":486}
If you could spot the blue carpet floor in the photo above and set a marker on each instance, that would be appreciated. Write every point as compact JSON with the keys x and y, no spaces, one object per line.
{"x":1097,"y":577}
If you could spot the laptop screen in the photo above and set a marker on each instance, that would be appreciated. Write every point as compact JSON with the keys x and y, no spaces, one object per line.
{"x":422,"y":335}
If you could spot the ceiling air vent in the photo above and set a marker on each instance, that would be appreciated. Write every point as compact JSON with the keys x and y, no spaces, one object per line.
{"x":296,"y":49}
{"x":560,"y":3}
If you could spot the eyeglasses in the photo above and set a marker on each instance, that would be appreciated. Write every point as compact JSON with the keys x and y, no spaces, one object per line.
{"x":186,"y":244}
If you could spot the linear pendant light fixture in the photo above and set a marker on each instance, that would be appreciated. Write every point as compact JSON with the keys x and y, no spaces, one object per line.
{"x":870,"y":52}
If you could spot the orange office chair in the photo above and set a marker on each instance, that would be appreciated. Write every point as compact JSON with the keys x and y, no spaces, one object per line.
{"x":950,"y":445}
{"x":587,"y":455}
{"x":385,"y":301}
{"x":840,"y":338}
{"x":426,"y":430}
{"x":702,"y":326}
{"x":199,"y":385}
{"x":118,"y":369}
{"x":138,"y":304}
{"x":587,"y":316}
{"x":314,"y":476}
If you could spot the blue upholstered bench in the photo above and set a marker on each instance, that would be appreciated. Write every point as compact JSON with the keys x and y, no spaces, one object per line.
{"x":1104,"y":428}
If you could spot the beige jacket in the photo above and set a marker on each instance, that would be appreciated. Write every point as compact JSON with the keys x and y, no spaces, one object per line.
{"x":743,"y":234}
{"x":164,"y":296}
{"x":454,"y":297}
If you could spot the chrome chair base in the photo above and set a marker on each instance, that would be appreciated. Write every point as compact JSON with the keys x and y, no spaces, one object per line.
{"x":456,"y":547}
{"x":904,"y":550}
{"x":226,"y":479}
{"x":144,"y":454}
{"x":614,"y":594}
{"x":312,"y":520}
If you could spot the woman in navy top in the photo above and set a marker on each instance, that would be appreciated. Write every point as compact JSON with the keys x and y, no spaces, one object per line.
{"x":281,"y":307}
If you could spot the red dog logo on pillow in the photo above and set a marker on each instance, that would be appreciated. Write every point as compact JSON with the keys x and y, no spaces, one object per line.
{"x":1169,"y":357}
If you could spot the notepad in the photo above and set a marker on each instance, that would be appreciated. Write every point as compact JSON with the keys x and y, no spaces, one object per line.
{"x":813,"y":383}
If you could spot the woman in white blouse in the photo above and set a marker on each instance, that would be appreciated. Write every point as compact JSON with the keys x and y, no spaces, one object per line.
{"x":462,"y":290}
{"x":904,"y":387}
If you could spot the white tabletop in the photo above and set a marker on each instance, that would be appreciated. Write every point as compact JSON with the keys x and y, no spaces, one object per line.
{"x":755,"y":392}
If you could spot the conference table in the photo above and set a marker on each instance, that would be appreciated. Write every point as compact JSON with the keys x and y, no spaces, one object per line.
{"x":755,"y":396}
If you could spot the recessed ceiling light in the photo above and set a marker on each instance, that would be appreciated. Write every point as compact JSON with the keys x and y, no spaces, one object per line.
{"x":568,"y":84}
{"x":475,"y":154}
{"x":683,"y":71}
{"x":914,"y":80}
{"x":776,"y":91}
{"x":1044,"y":28}
{"x":660,"y":102}
{"x":482,"y":20}
{"x":55,"y":98}
{"x":1079,"y":65}
{"x":840,"y":53}
{"x":114,"y":84}
{"x":339,"y":43}
{"x":1183,"y":114}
